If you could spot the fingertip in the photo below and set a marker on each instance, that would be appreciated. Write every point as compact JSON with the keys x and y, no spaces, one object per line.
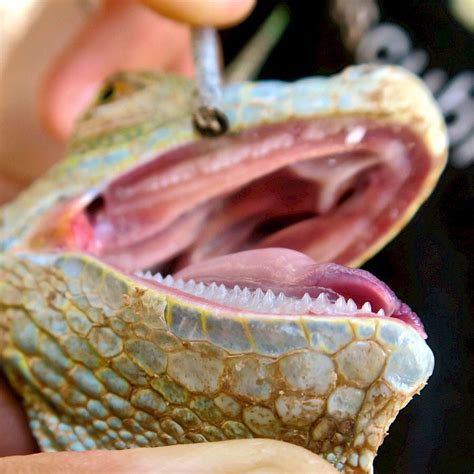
{"x":15,"y":434}
{"x":231,"y":457}
{"x":221,"y":13}
{"x":122,"y":35}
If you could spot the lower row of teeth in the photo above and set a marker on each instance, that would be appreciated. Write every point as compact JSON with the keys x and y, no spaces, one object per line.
{"x":261,"y":301}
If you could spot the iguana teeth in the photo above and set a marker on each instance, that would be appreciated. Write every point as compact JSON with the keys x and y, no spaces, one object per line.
{"x":351,"y":305}
{"x":260,"y":301}
{"x":340,"y":304}
{"x":321,"y":303}
{"x":269,"y":298}
{"x":307,"y":299}
{"x":169,"y":280}
{"x":246,"y":294}
{"x":190,"y":285}
{"x":213,"y":290}
{"x":200,"y":289}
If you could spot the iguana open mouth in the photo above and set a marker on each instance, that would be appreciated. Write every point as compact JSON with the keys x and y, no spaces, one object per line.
{"x":330,"y":188}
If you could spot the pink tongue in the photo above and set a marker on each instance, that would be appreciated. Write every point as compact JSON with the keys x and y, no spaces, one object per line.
{"x":294,"y":274}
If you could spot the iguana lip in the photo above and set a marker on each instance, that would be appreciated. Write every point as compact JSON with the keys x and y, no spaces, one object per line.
{"x":252,"y":280}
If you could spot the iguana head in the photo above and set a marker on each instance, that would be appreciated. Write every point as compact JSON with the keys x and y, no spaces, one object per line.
{"x":333,"y":168}
{"x":321,"y":170}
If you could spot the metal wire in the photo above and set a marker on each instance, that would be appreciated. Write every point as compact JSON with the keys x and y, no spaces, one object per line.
{"x":208,"y":119}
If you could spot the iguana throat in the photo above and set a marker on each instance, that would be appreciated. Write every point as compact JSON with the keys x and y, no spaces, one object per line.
{"x":328,"y":188}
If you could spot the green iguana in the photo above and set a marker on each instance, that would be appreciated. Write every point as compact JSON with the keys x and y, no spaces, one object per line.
{"x":250,"y":337}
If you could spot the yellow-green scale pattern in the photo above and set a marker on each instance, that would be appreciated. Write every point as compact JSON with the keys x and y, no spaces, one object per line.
{"x":103,"y":362}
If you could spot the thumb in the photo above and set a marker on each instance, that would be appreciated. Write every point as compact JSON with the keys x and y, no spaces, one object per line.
{"x":204,"y":12}
{"x":122,"y":35}
{"x":227,"y":457}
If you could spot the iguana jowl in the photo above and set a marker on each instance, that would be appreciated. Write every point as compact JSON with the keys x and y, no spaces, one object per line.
{"x":265,"y":343}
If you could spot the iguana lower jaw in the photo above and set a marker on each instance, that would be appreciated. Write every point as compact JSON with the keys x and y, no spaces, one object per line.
{"x":282,"y":281}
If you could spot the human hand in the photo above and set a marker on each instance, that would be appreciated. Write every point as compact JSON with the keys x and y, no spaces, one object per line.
{"x":126,"y":36}
{"x":119,"y":35}
{"x":229,"y":457}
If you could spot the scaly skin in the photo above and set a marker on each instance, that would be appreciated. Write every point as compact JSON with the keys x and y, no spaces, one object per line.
{"x":103,"y":361}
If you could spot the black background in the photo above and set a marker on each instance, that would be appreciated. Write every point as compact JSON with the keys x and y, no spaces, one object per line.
{"x":430,"y":264}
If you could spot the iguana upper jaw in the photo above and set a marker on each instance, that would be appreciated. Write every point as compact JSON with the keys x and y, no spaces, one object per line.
{"x":334,"y":189}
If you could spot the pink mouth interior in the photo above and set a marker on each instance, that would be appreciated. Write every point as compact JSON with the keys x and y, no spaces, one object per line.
{"x":327,"y":188}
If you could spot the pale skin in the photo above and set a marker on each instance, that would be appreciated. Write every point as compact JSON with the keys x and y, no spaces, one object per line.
{"x":72,"y":81}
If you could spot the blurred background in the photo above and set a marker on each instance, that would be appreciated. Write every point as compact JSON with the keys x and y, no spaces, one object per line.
{"x":429,"y":265}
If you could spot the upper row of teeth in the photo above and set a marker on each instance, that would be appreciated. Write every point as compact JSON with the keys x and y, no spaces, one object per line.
{"x":263,"y":302}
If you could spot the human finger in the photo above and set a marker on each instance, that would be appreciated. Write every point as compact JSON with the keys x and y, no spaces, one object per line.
{"x":226,"y":457}
{"x":122,"y":35}
{"x":15,"y":435}
{"x":204,"y":12}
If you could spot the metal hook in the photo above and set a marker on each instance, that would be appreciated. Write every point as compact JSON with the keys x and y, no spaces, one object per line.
{"x":208,"y":119}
